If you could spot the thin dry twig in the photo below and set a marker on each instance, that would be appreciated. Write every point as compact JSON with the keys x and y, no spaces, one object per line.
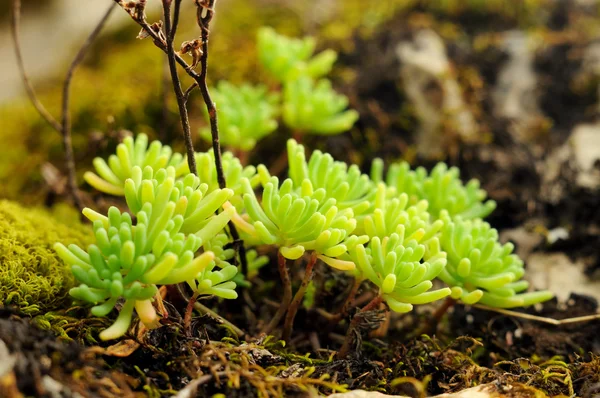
{"x":16,"y":17}
{"x":170,"y":30}
{"x":65,"y":127}
{"x":536,"y":318}
{"x":206,"y":8}
{"x":66,"y":100}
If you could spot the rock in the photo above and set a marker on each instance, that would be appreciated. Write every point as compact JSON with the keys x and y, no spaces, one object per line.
{"x":482,"y":391}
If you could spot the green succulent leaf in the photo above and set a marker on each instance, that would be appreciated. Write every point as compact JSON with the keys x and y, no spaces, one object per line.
{"x":289,"y":58}
{"x":442,"y":188}
{"x":246,"y":114}
{"x":480,"y":269}
{"x":315,"y":108}
{"x":111,"y":176}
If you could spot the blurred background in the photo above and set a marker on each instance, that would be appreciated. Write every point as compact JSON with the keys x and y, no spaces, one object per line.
{"x":506,"y":90}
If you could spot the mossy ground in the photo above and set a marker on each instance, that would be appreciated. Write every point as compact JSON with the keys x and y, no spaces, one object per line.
{"x":33,"y":279}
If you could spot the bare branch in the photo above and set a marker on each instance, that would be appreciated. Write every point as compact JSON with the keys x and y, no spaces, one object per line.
{"x":65,"y":127}
{"x":16,"y":17}
{"x":66,"y":114}
{"x":206,"y":7}
{"x":170,"y":30}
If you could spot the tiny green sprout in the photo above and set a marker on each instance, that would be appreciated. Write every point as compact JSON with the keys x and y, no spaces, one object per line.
{"x":129,"y":261}
{"x":112,"y":175}
{"x":233,"y":172}
{"x":347,"y":185}
{"x":246,"y":114}
{"x":482,"y":270}
{"x":442,"y":188}
{"x":402,"y":269}
{"x":288,"y":58}
{"x":315,"y":108}
{"x":297,"y":222}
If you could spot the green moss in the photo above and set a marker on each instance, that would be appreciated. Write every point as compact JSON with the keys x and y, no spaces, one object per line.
{"x":32,"y":277}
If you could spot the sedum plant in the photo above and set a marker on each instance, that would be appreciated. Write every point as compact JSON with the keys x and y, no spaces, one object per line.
{"x":480,"y":269}
{"x":315,"y":108}
{"x":127,"y":262}
{"x":174,"y":220}
{"x":296,"y":221}
{"x":233,"y":171}
{"x":402,"y":269}
{"x":130,"y":153}
{"x":442,"y":188}
{"x":246,"y":114}
{"x":288,"y":58}
{"x":403,"y":255}
{"x":347,"y":185}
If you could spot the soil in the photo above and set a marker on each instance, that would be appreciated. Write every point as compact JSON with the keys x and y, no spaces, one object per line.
{"x":471,"y":346}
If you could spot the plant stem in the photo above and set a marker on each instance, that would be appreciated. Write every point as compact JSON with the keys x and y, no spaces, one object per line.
{"x":347,"y":303}
{"x":64,"y":128}
{"x":189,"y":309}
{"x":293,"y":309}
{"x":287,"y":294}
{"x":170,"y":30}
{"x":205,"y":310}
{"x":431,"y":326}
{"x":204,"y":23}
{"x":373,"y":304}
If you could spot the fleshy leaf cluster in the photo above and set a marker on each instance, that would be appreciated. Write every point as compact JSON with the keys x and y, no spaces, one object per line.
{"x":175,"y":218}
{"x":315,"y":108}
{"x":130,"y":153}
{"x":297,"y":221}
{"x":246,"y":114}
{"x":288,"y":58}
{"x":347,"y":185}
{"x":480,"y":269}
{"x":442,"y":188}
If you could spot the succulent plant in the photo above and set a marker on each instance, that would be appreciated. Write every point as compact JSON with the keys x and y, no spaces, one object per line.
{"x":174,"y":219}
{"x":442,"y":188}
{"x":246,"y":114}
{"x":347,"y":185}
{"x":297,"y":222}
{"x":402,"y":269}
{"x":128,"y":262}
{"x":233,"y":172}
{"x":288,"y":58}
{"x":315,"y":108}
{"x":112,"y":175}
{"x":480,"y":269}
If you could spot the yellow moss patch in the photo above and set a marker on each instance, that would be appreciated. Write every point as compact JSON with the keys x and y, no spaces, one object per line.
{"x":32,"y":276}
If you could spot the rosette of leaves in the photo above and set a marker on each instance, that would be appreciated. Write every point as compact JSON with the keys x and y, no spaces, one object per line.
{"x":233,"y":171}
{"x":288,"y":58}
{"x":347,"y":185}
{"x":297,"y":221}
{"x":396,"y":215}
{"x":246,"y":114}
{"x":402,"y":268}
{"x":480,"y":269}
{"x":174,"y":220}
{"x":130,"y":153}
{"x":127,"y":262}
{"x":311,"y":107}
{"x":442,"y":188}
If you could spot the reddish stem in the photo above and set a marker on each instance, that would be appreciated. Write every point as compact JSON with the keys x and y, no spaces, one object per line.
{"x":287,"y":294}
{"x":187,"y":319}
{"x":293,"y":309}
{"x":373,"y":304}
